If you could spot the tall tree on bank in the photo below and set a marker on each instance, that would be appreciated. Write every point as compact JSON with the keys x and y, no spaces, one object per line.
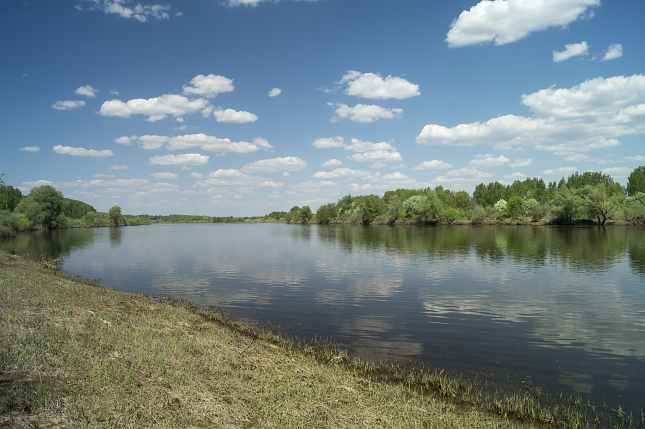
{"x":115,"y":215}
{"x":43,"y":207}
{"x":636,"y":181}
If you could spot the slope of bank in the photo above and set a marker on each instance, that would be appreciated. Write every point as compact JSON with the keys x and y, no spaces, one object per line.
{"x":75,"y":355}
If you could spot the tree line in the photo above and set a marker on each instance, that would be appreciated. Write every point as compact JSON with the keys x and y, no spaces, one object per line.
{"x":582,"y":198}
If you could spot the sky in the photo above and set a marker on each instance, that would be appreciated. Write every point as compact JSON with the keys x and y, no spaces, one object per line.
{"x":242,"y":107}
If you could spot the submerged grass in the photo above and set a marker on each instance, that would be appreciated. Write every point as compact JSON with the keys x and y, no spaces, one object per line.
{"x":72,"y":355}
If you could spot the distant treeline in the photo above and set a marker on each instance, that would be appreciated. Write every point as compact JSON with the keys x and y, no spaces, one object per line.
{"x":582,"y":198}
{"x":587,"y":198}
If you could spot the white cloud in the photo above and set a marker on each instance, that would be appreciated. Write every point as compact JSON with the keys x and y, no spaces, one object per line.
{"x":128,"y":9}
{"x":86,"y":91}
{"x":154,"y":109}
{"x":591,"y":115}
{"x":275,"y":92}
{"x":31,"y":149}
{"x":614,"y":52}
{"x":463,"y":175}
{"x":196,"y":175}
{"x":365,"y":113}
{"x":209,"y":86}
{"x":333,"y":163}
{"x":147,"y":142}
{"x":621,"y":172}
{"x":234,"y":116}
{"x":635,"y":158}
{"x":68,"y":104}
{"x":166,"y":175}
{"x":376,"y":152}
{"x":560,"y":171}
{"x":507,"y":21}
{"x":119,"y":167}
{"x":287,"y":164}
{"x":81,"y":151}
{"x":435,"y":164}
{"x":375,"y":86}
{"x":185,"y":159}
{"x":488,"y":160}
{"x":340,"y":173}
{"x":329,"y":143}
{"x":216,"y":144}
{"x":254,"y":3}
{"x":570,"y":51}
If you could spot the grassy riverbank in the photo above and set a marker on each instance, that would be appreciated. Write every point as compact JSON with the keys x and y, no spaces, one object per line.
{"x":75,"y":355}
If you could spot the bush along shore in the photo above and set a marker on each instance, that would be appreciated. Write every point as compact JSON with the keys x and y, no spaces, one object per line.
{"x":76,"y":355}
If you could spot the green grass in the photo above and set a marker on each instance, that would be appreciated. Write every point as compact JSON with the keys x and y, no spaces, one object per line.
{"x":75,"y":355}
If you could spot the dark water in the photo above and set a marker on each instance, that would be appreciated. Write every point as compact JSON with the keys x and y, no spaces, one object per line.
{"x":562,"y":308}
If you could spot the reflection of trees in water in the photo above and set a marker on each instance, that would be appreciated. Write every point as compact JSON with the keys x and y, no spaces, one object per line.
{"x":591,"y":248}
{"x":52,"y":244}
{"x":116,"y":234}
{"x":637,"y":251}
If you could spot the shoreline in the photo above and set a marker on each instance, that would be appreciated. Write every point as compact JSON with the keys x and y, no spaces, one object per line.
{"x":461,"y":401}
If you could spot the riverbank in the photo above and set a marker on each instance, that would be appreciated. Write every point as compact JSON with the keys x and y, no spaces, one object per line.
{"x":78,"y":355}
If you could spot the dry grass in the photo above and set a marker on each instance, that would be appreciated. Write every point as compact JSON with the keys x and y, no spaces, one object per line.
{"x":73,"y":355}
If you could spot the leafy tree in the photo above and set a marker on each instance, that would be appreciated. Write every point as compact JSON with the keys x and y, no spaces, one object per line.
{"x":423,"y":208}
{"x":534,"y":209}
{"x":76,"y":209}
{"x":515,"y":207}
{"x":636,"y":181}
{"x":43,"y":207}
{"x":115,"y":215}
{"x":326,"y":214}
{"x":598,"y":202}
{"x":9,"y":197}
{"x":634,"y":208}
{"x":566,"y":205}
{"x":501,"y":207}
{"x":488,"y":195}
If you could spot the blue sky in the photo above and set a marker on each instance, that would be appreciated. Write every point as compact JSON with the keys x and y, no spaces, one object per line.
{"x":164,"y":107}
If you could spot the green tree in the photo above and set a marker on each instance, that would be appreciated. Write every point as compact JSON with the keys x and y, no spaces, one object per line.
{"x":43,"y":207}
{"x":326,"y":214}
{"x":566,"y":205}
{"x":76,"y":209}
{"x":115,"y":215}
{"x":636,"y":181}
{"x":515,"y":207}
{"x":423,"y":208}
{"x":599,"y":203}
{"x":9,"y":197}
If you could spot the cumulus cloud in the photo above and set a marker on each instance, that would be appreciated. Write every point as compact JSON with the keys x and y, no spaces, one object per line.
{"x":570,"y":51}
{"x":488,"y":160}
{"x":275,"y":92}
{"x":333,"y":163}
{"x":154,"y":109}
{"x":216,"y":145}
{"x":147,"y":142}
{"x":209,"y":86}
{"x":166,"y":175}
{"x":365,"y":113}
{"x":68,"y":104}
{"x":128,"y":9}
{"x":614,"y":52}
{"x":463,"y":175}
{"x":81,"y":151}
{"x":31,"y":149}
{"x":375,"y":152}
{"x":185,"y":159}
{"x":375,"y":86}
{"x":234,"y":116}
{"x":592,"y":115}
{"x":86,"y":91}
{"x":329,"y":143}
{"x":560,"y":171}
{"x":286,"y":164}
{"x":507,"y":21}
{"x":340,"y":173}
{"x":435,"y":164}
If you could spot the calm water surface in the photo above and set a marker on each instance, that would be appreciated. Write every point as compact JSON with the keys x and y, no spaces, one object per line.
{"x":562,"y":308}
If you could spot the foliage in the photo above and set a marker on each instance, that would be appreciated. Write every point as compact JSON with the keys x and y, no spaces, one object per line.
{"x":636,"y":181}
{"x":115,"y":215}
{"x":12,"y":223}
{"x":501,"y":208}
{"x":599,"y":202}
{"x":634,"y":208}
{"x":76,"y":209}
{"x":9,"y":197}
{"x":566,"y":206}
{"x":43,"y":207}
{"x":299,"y":215}
{"x":326,"y":214}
